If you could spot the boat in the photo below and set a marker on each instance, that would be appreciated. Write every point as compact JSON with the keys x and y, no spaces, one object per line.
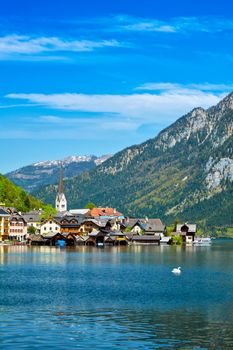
{"x":165,"y":240}
{"x":202,"y":241}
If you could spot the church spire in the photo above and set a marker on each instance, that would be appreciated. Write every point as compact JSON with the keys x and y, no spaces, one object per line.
{"x":61,"y":203}
{"x":61,"y":184}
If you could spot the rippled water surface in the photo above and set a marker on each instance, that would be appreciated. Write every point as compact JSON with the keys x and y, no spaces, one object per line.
{"x":116,"y":298}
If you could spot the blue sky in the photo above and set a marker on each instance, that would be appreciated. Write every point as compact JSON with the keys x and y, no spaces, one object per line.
{"x":94,"y":77}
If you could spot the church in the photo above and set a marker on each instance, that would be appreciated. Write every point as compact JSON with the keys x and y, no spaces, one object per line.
{"x":61,"y":202}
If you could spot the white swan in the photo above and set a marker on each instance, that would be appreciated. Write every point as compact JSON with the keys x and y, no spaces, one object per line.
{"x":177,"y":270}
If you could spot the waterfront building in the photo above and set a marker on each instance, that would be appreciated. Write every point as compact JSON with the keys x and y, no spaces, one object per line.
{"x":4,"y":224}
{"x":17,"y":227}
{"x":187,"y":231}
{"x":149,"y":227}
{"x":61,"y":202}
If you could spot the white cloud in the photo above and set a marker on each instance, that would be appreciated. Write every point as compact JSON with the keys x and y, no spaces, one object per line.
{"x":96,"y":115}
{"x":29,"y":45}
{"x":185,"y":88}
{"x":205,"y":24}
{"x":162,"y":107}
{"x":103,"y":123}
{"x":150,"y":27}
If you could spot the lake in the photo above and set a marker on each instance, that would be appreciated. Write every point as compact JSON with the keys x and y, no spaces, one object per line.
{"x":117,"y":297}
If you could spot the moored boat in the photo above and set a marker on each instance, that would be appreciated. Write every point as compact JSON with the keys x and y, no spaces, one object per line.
{"x":202,"y":241}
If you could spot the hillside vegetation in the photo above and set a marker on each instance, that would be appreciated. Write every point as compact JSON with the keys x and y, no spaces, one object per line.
{"x":13,"y":196}
{"x":185,"y":172}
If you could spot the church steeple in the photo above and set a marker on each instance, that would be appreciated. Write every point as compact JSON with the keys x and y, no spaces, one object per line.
{"x":61,"y":203}
{"x":61,"y":184}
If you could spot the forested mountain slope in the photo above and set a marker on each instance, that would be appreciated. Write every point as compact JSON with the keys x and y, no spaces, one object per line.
{"x":186,"y":172}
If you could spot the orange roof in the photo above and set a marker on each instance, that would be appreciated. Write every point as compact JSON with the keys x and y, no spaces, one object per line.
{"x":104,"y":212}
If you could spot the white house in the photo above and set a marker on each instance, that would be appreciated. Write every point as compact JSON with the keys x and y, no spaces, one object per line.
{"x":50,"y":225}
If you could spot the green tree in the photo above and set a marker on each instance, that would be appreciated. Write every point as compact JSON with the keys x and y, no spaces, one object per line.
{"x":177,"y":240}
{"x":31,"y":230}
{"x":90,"y":205}
{"x":48,"y":212}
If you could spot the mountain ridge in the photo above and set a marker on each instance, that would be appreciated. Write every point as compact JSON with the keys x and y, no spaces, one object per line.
{"x":177,"y":173}
{"x":47,"y":172}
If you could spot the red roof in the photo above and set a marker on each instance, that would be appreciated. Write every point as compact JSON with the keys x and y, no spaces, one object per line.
{"x":104,"y":212}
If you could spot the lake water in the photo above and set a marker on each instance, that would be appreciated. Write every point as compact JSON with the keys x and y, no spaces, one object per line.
{"x":116,"y":298}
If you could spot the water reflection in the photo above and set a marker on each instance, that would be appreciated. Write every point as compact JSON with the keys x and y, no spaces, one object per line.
{"x":111,"y":328}
{"x":117,"y":297}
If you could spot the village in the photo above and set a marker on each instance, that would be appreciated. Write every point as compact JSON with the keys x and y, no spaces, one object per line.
{"x":90,"y":227}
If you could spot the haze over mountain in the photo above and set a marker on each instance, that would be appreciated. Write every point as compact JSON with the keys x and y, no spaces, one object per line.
{"x":186,"y":172}
{"x":47,"y":172}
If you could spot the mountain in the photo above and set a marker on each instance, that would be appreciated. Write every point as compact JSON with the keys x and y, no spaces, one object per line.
{"x":185,"y":172}
{"x":14,"y":196}
{"x":44,"y":173}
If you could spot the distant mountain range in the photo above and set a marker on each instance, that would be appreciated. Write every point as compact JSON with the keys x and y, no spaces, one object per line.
{"x":186,"y":172}
{"x":44,"y":173}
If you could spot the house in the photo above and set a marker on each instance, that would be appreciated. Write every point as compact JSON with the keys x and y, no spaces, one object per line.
{"x":95,"y":238}
{"x":80,"y":240}
{"x":187,"y":231}
{"x":54,"y":239}
{"x":146,"y":239}
{"x":109,"y":241}
{"x":89,"y":225}
{"x":51,"y":225}
{"x":119,"y":237}
{"x":70,"y":224}
{"x":4,"y":224}
{"x":149,"y":227}
{"x":70,"y":239}
{"x":33,"y":219}
{"x":17,"y":228}
{"x":35,"y":239}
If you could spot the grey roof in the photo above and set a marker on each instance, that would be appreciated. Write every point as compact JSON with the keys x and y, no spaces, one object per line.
{"x":116,"y":233}
{"x":36,"y":238}
{"x":108,"y":238}
{"x":191,"y":227}
{"x":4,"y":212}
{"x":151,"y":225}
{"x":95,"y":234}
{"x":85,"y":238}
{"x":146,"y":238}
{"x":79,"y":211}
{"x":154,"y":227}
{"x":9,"y":210}
{"x":96,"y":222}
{"x":17,"y":217}
{"x":50,"y":219}
{"x":31,"y":217}
{"x":80,"y":238}
{"x":131,"y":221}
{"x":52,"y":234}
